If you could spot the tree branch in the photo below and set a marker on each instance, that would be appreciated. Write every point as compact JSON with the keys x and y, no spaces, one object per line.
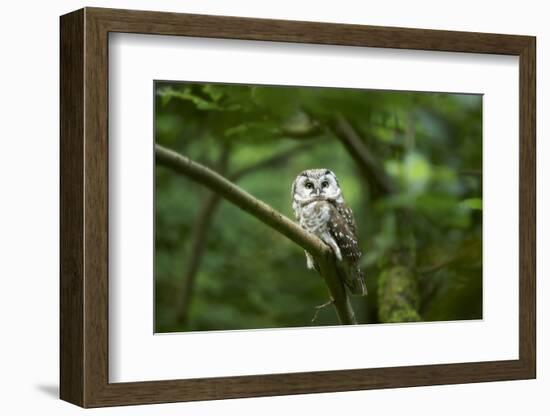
{"x":195,"y":255}
{"x":198,"y":242}
{"x":398,"y":295}
{"x":320,"y":251}
{"x":272,"y":161}
{"x":206,"y":215}
{"x":361,"y":154}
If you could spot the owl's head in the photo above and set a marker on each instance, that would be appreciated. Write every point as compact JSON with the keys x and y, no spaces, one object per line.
{"x":316,"y":184}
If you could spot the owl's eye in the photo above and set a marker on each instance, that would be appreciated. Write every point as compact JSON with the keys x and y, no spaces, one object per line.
{"x":309,"y":185}
{"x":324,"y":184}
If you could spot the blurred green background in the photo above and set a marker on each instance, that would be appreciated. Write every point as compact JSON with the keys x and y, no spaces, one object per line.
{"x":415,"y":188}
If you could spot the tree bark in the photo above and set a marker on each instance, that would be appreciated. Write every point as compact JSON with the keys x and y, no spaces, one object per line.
{"x":398,"y":295}
{"x":324,"y":256}
{"x":368,"y":163}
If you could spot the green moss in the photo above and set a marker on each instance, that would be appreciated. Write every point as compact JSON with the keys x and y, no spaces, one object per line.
{"x":398,"y":295}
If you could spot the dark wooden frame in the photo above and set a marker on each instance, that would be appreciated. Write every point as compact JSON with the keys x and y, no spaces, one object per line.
{"x":84,"y":207}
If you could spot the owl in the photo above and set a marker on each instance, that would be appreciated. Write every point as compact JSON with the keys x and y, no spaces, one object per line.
{"x":320,"y":209}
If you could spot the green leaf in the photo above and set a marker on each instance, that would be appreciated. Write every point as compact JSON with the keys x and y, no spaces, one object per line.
{"x":167,"y":94}
{"x":215,"y":92}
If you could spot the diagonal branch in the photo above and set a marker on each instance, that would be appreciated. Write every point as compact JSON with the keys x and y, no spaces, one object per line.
{"x":262,"y":211}
{"x":362,"y":154}
{"x":206,"y":215}
{"x":217,"y":183}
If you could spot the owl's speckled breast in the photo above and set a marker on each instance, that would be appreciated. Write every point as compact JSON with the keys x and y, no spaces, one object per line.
{"x":315,"y":216}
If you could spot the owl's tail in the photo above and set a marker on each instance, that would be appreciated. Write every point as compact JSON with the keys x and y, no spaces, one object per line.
{"x":355,"y":281}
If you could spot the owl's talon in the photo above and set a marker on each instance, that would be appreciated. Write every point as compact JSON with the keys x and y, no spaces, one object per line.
{"x":310,"y":263}
{"x":319,"y":307}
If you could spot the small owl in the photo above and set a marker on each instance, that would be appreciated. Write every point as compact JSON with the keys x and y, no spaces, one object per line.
{"x":320,"y":209}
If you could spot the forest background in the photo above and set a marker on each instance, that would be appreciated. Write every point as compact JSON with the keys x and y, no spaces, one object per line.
{"x":409,"y":164}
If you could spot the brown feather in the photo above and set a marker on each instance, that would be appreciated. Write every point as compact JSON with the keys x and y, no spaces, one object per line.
{"x":342,"y":228}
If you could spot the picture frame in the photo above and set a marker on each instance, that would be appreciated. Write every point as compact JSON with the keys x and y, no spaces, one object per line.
{"x":84,"y":217}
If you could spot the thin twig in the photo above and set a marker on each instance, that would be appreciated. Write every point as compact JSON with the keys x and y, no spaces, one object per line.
{"x":273,"y":160}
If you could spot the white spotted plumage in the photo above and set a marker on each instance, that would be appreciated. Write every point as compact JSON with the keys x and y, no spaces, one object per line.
{"x":320,"y":209}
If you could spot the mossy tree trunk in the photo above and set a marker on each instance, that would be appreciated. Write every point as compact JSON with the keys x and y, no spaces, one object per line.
{"x":398,"y":292}
{"x":398,"y":295}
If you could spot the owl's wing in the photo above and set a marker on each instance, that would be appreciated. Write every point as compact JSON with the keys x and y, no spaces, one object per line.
{"x":342,"y":228}
{"x":347,"y":214}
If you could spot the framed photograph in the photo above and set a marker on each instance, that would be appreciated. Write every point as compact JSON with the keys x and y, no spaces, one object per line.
{"x":254,"y":207}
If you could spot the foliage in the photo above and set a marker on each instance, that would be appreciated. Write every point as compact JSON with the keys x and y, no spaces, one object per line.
{"x":421,"y":242}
